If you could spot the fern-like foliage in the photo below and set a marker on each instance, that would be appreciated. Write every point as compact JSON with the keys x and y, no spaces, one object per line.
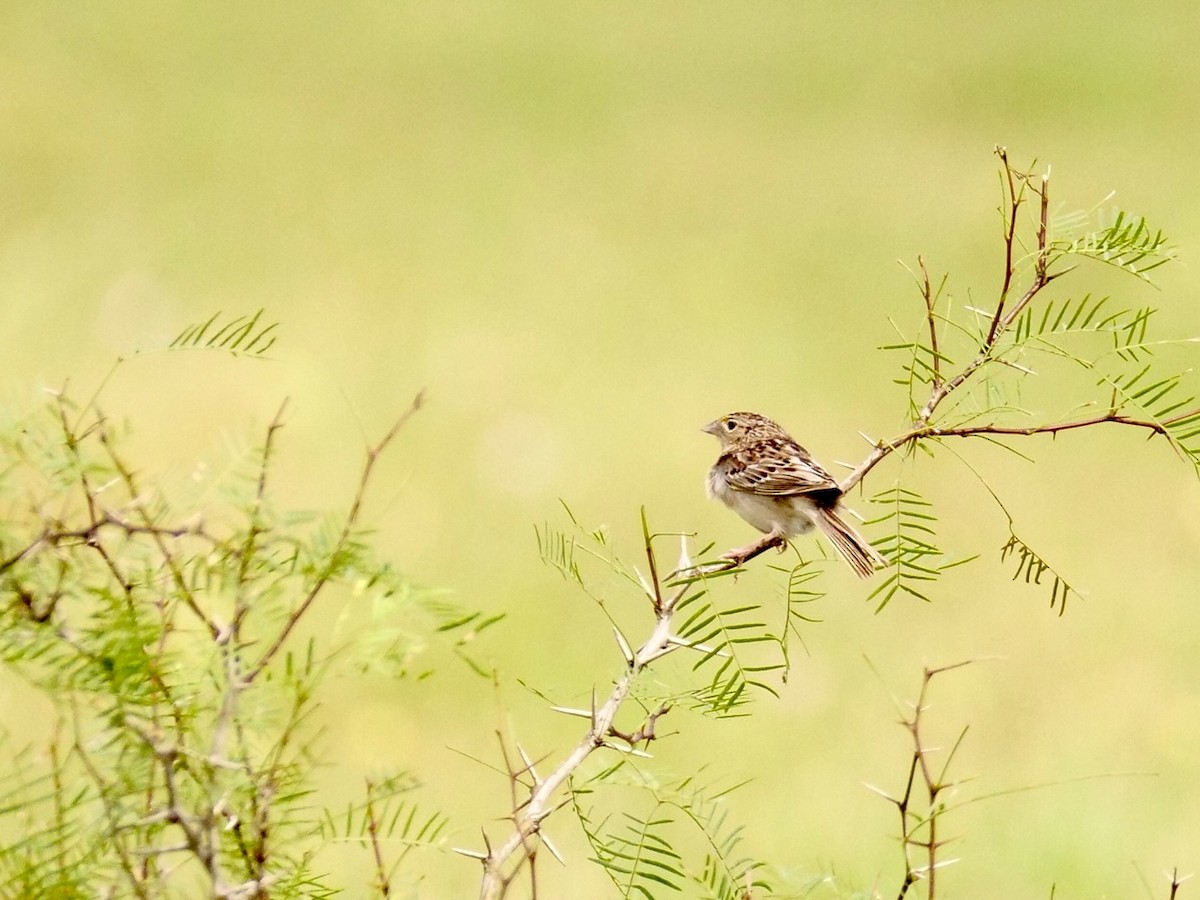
{"x":47,"y":857}
{"x":241,"y":335}
{"x":1131,"y":386}
{"x":725,"y":875}
{"x":387,"y":819}
{"x":1128,"y":243}
{"x":919,"y":367}
{"x":1163,"y":401}
{"x":905,"y":538}
{"x":635,"y":855}
{"x":798,"y":593}
{"x":585,"y":557}
{"x":1032,"y":569}
{"x":147,"y":622}
{"x":644,"y":854}
{"x":1045,"y":329}
{"x":724,"y":637}
{"x":731,"y":643}
{"x":386,"y":624}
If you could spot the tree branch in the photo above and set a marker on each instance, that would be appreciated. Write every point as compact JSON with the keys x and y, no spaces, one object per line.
{"x":1002,"y":318}
{"x":931,"y":320}
{"x":1015,"y":200}
{"x":884,"y":448}
{"x":527,"y":818}
{"x":351,"y":520}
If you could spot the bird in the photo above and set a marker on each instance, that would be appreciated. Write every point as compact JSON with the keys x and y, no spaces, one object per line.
{"x":773,"y":483}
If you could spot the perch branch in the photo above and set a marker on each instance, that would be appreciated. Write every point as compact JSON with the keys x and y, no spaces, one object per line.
{"x":499,"y":867}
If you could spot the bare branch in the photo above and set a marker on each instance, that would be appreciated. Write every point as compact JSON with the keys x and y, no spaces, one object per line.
{"x":382,"y":882}
{"x":645,"y":732}
{"x":168,"y":555}
{"x":351,"y":520}
{"x":913,"y":822}
{"x":884,"y":448}
{"x":502,"y":863}
{"x":1014,"y":201}
{"x":931,"y":321}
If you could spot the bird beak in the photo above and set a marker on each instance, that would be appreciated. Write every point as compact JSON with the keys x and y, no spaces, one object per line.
{"x":713,"y":427}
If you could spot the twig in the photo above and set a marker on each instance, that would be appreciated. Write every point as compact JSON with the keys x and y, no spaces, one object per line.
{"x":646,"y":732}
{"x":168,"y":556}
{"x":381,"y":877}
{"x":941,"y":388}
{"x":1010,"y":233}
{"x":883,"y":449}
{"x":255,"y":528}
{"x":931,"y":320}
{"x":733,"y":559}
{"x":1176,"y":883}
{"x":1002,"y":318}
{"x":351,"y":520}
{"x":110,"y":805}
{"x":499,"y":867}
{"x":933,"y":784}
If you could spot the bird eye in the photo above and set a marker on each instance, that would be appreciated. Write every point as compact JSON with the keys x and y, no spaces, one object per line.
{"x":731,"y":425}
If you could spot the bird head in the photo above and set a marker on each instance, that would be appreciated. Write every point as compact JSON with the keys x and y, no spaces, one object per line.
{"x":741,"y":428}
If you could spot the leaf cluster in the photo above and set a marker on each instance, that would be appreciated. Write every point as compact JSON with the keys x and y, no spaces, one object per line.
{"x":969,"y":372}
{"x":684,"y":837}
{"x":165,"y":636}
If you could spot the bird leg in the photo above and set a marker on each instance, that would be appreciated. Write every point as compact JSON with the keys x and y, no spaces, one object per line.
{"x":743,"y":555}
{"x":734,"y":558}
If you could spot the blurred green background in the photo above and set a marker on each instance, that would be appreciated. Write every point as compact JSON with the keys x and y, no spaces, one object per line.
{"x":587,"y":229}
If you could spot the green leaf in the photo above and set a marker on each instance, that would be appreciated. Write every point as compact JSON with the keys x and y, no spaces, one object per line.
{"x":1032,"y":569}
{"x":241,"y":336}
{"x":906,"y":543}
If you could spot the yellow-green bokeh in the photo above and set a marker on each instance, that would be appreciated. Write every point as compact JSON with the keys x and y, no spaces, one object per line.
{"x":587,"y":229}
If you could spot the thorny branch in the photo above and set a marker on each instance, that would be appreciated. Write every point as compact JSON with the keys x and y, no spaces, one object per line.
{"x":913,"y":821}
{"x":1018,"y":188}
{"x":382,"y":882}
{"x":1018,"y":185}
{"x":503,"y":863}
{"x":191,"y":790}
{"x":1176,"y":883}
{"x":930,"y":296}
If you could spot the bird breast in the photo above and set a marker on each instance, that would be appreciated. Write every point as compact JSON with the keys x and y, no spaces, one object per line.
{"x":791,"y":515}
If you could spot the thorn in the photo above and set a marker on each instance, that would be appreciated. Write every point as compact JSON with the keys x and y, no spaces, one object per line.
{"x":644,"y":583}
{"x":632,"y":751}
{"x":677,"y":641}
{"x":685,"y":558}
{"x":626,"y":650}
{"x":881,"y":792}
{"x":553,"y":850}
{"x":570,"y":711}
{"x":529,"y":765}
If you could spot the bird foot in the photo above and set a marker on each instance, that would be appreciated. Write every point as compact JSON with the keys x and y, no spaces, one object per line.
{"x":743,"y":555}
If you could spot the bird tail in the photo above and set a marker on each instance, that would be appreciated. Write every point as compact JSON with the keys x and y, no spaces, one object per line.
{"x":853,"y":547}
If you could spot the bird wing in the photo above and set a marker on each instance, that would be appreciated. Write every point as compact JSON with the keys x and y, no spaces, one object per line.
{"x":775,"y":468}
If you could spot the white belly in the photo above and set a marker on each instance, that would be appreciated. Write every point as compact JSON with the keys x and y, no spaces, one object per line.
{"x":790,"y":515}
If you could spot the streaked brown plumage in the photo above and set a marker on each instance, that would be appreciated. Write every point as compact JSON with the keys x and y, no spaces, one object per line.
{"x":772,"y":482}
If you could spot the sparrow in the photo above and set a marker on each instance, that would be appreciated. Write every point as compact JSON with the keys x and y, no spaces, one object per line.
{"x":772,"y":482}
